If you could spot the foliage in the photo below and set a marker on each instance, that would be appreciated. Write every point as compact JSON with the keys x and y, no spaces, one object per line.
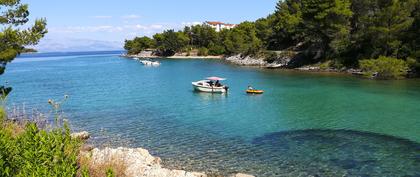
{"x":13,"y":37}
{"x":384,"y":67}
{"x":169,"y":42}
{"x":216,"y":49}
{"x":203,"y":51}
{"x":29,"y":50}
{"x":270,"y":56}
{"x":36,"y":152}
{"x":242,"y":40}
{"x":345,"y":31}
{"x":138,"y":44}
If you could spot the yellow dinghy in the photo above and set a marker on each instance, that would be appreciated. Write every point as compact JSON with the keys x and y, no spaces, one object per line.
{"x":255,"y":91}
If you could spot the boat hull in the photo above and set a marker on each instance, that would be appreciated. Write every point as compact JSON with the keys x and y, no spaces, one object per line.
{"x":209,"y":89}
{"x":254,"y":91}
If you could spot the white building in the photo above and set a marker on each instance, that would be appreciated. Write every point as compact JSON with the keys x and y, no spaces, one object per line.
{"x":219,"y":26}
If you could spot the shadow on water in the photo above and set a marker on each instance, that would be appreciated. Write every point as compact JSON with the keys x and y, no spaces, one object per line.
{"x":210,"y":96}
{"x":339,"y":152}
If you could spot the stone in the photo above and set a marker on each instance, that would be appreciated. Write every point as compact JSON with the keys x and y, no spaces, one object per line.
{"x":84,"y":135}
{"x":137,"y":162}
{"x":242,"y":175}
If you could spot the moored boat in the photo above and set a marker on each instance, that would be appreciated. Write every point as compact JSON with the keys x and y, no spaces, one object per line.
{"x":150,"y":63}
{"x":210,"y":85}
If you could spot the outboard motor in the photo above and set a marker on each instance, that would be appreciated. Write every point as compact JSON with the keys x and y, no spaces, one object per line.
{"x":226,"y":88}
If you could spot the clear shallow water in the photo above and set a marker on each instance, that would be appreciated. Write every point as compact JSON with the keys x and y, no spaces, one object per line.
{"x":305,"y":124}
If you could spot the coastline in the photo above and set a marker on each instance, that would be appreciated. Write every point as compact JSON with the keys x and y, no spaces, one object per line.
{"x":174,"y":56}
{"x":255,"y":62}
{"x":132,"y":162}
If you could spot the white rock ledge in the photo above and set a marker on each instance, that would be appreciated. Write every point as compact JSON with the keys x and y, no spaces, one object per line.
{"x":139,"y":163}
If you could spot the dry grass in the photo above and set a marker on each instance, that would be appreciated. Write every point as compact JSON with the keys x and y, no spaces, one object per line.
{"x":99,"y":169}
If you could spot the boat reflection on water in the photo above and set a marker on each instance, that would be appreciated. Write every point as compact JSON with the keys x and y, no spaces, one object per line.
{"x":210,"y":96}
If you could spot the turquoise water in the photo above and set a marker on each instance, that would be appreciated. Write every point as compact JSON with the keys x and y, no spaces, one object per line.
{"x":304,"y":124}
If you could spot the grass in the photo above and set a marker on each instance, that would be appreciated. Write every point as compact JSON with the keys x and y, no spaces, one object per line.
{"x":112,"y":166}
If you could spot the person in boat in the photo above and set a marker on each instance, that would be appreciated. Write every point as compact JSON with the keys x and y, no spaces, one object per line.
{"x":217,"y":84}
{"x":250,"y":87}
{"x":210,"y":83}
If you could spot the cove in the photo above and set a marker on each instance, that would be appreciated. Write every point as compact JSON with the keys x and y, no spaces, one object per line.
{"x":304,"y":124}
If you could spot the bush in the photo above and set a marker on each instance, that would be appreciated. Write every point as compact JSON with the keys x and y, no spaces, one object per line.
{"x":216,"y":50}
{"x":269,"y":56}
{"x":203,"y":51}
{"x":384,"y":67}
{"x":27,"y":150}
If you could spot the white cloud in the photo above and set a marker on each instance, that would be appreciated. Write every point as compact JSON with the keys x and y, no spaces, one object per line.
{"x":191,"y":23}
{"x":132,"y":16}
{"x":102,"y":17}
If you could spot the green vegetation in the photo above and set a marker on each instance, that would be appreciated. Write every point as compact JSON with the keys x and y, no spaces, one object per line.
{"x":29,"y":50}
{"x":27,"y":150}
{"x":344,"y":31}
{"x":13,"y":39}
{"x":139,"y":44}
{"x":385,"y":67}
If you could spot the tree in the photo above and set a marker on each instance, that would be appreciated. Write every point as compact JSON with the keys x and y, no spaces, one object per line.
{"x":326,"y":26}
{"x":13,"y":38}
{"x":242,"y":39}
{"x":265,"y":31}
{"x":170,"y":42}
{"x":201,"y":35}
{"x":138,"y":44}
{"x":287,"y":24}
{"x":379,"y":27}
{"x":385,"y":67}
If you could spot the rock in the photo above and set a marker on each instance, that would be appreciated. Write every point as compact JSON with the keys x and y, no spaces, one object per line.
{"x":246,"y":61}
{"x":86,"y":148}
{"x":137,"y":163}
{"x":84,"y":135}
{"x":242,"y":175}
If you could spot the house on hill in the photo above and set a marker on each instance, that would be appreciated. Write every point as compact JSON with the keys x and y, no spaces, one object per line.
{"x":219,"y":26}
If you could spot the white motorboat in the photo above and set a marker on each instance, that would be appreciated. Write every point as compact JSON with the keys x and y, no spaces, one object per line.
{"x":211,"y":85}
{"x":150,"y":63}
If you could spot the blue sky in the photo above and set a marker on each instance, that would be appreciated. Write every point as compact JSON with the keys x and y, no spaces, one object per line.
{"x":104,"y":22}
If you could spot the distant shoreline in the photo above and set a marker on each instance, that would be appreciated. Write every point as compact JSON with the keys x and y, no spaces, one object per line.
{"x":174,"y":57}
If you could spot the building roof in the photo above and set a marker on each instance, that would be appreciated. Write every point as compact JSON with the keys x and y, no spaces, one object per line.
{"x":214,"y":23}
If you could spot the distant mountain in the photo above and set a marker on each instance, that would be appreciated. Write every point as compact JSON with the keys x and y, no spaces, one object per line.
{"x":71,"y":45}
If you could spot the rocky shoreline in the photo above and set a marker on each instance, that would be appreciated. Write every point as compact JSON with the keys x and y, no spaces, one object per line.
{"x":281,"y":62}
{"x":132,"y":162}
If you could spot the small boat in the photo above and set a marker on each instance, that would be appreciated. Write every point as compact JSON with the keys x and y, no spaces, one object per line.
{"x":210,"y":85}
{"x":253,"y":91}
{"x":150,"y":63}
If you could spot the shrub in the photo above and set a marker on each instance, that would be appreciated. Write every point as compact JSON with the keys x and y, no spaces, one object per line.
{"x":325,"y":65}
{"x":216,"y":50}
{"x":269,"y":56}
{"x":27,"y":150}
{"x":38,"y":152}
{"x":203,"y":51}
{"x":384,"y":67}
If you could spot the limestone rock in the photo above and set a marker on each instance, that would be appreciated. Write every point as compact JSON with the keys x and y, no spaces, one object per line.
{"x":246,"y":61}
{"x":137,"y":162}
{"x":242,"y":175}
{"x":84,"y":135}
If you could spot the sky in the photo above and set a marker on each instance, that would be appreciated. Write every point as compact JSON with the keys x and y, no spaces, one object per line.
{"x":76,"y":25}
